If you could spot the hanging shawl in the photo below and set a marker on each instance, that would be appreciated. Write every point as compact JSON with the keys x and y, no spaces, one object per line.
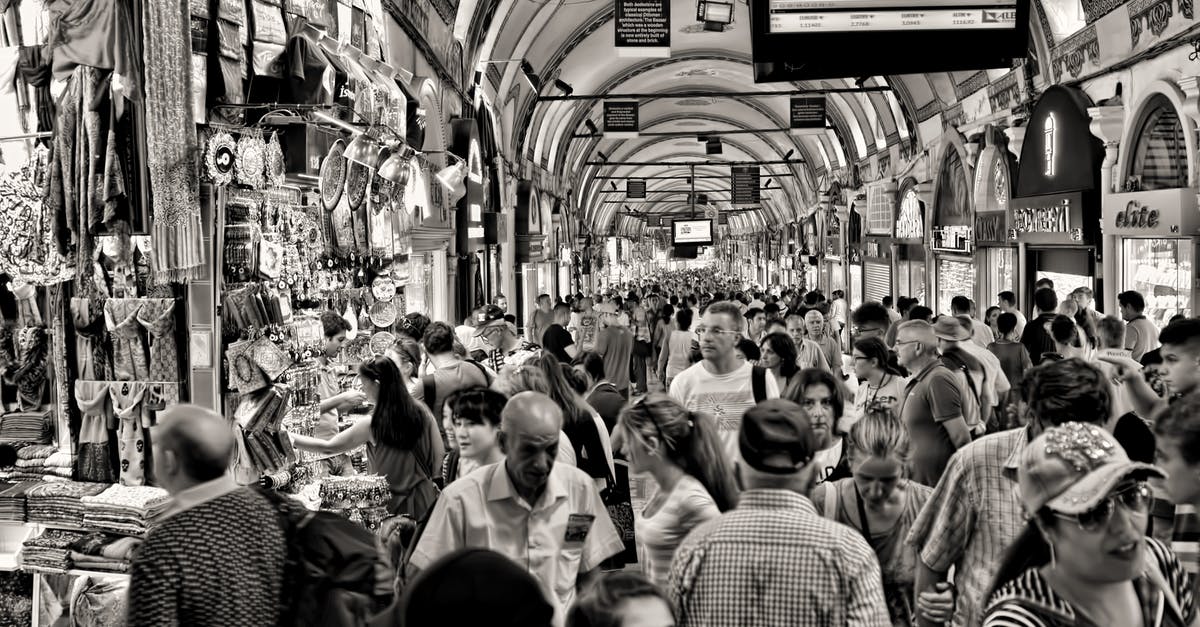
{"x":177,"y":252}
{"x":158,"y":316}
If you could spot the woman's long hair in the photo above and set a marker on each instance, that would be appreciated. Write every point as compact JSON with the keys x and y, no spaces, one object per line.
{"x":879,"y":433}
{"x":690,"y":440}
{"x":783,"y":345}
{"x":874,"y":348}
{"x":817,"y":376}
{"x":575,"y":409}
{"x":398,"y":420}
{"x":1029,"y":550}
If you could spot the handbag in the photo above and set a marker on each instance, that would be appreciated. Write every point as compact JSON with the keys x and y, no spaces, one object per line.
{"x":617,"y":500}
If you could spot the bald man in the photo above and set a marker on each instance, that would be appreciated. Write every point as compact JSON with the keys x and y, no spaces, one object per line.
{"x":218,"y":558}
{"x":545,"y":516}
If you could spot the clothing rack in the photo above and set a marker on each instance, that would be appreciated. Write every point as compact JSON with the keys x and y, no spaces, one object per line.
{"x":26,"y":136}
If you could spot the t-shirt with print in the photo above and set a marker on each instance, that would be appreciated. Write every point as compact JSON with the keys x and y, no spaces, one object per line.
{"x":889,"y":393}
{"x":932,"y":397}
{"x":515,"y":357}
{"x":586,"y":327}
{"x":725,"y":397}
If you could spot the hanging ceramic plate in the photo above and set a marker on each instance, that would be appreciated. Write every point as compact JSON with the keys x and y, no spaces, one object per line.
{"x":219,"y":158}
{"x":251,"y":160}
{"x":383,"y":314}
{"x":358,"y":180}
{"x":382,"y":341}
{"x":359,"y":349}
{"x":333,"y":175}
{"x":276,"y":163}
{"x":384,"y":289}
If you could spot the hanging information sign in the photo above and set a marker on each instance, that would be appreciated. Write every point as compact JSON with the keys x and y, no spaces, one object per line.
{"x":745,"y":186}
{"x":643,"y":28}
{"x":808,"y":114}
{"x":621,"y":119}
{"x":635,"y":189}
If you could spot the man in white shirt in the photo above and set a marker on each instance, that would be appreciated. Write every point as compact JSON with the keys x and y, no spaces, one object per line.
{"x":981,"y":333}
{"x":1008,"y":304}
{"x":720,"y":384}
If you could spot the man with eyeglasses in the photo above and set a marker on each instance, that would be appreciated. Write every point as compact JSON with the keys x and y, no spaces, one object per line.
{"x":974,"y":514}
{"x":720,"y":384}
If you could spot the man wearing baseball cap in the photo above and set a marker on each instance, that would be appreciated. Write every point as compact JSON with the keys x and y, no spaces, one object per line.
{"x":501,"y":335}
{"x":773,"y":557}
{"x":1084,"y":557}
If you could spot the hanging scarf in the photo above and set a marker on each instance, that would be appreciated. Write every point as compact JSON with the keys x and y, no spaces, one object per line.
{"x":177,"y":252}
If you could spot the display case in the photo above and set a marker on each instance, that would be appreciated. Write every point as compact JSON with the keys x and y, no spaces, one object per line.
{"x":1161,"y":270}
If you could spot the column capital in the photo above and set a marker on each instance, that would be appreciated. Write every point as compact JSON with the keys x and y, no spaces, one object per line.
{"x":1016,"y":138}
{"x":1191,"y":96}
{"x":1108,"y":123}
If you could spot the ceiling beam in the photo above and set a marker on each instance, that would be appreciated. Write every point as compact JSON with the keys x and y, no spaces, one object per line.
{"x":715,"y":94}
{"x":723,"y":177}
{"x":697,"y":134}
{"x":688,"y":164}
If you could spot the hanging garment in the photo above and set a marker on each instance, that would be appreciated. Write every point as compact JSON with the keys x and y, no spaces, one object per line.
{"x":33,"y":63}
{"x":129,"y":349}
{"x":92,"y":345}
{"x":158,"y":316}
{"x":77,"y":168}
{"x":176,"y":248}
{"x":98,"y":33}
{"x":127,"y":399}
{"x":31,"y":376}
{"x":27,"y":240}
{"x":94,"y":463}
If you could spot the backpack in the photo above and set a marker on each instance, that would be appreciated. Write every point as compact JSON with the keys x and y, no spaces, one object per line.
{"x":336,"y":572}
{"x":972,"y":402}
{"x":429,"y":389}
{"x":758,"y":382}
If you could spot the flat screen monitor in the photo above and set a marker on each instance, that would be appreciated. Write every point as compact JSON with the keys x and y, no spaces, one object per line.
{"x":692,"y":232}
{"x":719,"y":12}
{"x":798,"y":39}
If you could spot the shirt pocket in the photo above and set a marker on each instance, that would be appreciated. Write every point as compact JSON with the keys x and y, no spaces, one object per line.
{"x":567,"y":572}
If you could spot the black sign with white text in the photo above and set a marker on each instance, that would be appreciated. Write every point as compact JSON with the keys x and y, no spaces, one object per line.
{"x":635,"y":188}
{"x":745,"y":185}
{"x":621,"y":117}
{"x":643,"y":23}
{"x":808,"y":112}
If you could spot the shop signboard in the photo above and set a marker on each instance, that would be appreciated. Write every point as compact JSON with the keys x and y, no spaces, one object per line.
{"x":1157,"y":213}
{"x":1049,"y":219}
{"x":910,"y":224}
{"x":621,"y":119}
{"x":875,"y":249}
{"x":642,"y":28}
{"x":1059,"y":154}
{"x":953,"y":239}
{"x":991,"y":228}
{"x":635,"y":189}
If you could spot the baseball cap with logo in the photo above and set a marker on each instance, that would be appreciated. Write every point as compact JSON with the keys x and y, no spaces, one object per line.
{"x":776,"y":437}
{"x":1072,"y":467}
{"x":488,"y":317}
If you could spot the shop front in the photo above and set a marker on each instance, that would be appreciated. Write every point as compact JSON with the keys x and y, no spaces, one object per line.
{"x":833,"y":252}
{"x":810,"y":251}
{"x":1056,"y":210}
{"x":908,"y":247}
{"x":995,"y":256}
{"x":470,"y":235}
{"x":878,"y":227}
{"x":952,"y":233}
{"x":1156,"y":242}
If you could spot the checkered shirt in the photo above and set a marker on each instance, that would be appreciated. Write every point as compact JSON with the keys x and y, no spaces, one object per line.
{"x":971,"y":518}
{"x":773,"y":561}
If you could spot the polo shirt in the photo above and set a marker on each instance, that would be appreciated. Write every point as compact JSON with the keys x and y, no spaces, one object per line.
{"x":483,"y":510}
{"x":1141,"y":337}
{"x":931,"y":397}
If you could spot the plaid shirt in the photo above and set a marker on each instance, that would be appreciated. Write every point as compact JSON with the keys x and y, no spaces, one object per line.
{"x":972,"y":516}
{"x":773,"y":561}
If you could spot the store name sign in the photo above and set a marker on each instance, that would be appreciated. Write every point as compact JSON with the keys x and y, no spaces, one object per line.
{"x":1161,"y":212}
{"x":1137,"y":216}
{"x":989,"y":227}
{"x":1052,"y":219}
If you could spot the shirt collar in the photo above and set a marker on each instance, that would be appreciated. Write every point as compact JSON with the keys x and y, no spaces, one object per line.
{"x":201,"y":493}
{"x":500,"y":487}
{"x":775,"y":499}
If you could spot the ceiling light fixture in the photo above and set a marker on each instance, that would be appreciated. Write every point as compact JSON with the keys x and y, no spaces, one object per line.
{"x":397,"y":168}
{"x":789,"y":154}
{"x":591,"y":127}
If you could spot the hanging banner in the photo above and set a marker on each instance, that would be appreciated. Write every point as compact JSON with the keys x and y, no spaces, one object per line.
{"x":621,"y":119}
{"x":635,"y":189}
{"x":807,"y":114}
{"x":643,"y":28}
{"x":745,"y":186}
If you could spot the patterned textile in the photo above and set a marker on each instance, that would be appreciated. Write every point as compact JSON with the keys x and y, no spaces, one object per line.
{"x":99,"y":602}
{"x":94,"y":461}
{"x":1185,"y":539}
{"x":59,"y":502}
{"x":131,"y":437}
{"x":125,"y":509}
{"x":91,"y":339}
{"x":129,"y":349}
{"x":27,"y":249}
{"x":972,"y":516}
{"x":158,"y":316}
{"x":773,"y":561}
{"x":51,"y":550}
{"x":218,"y":563}
{"x":177,"y":252}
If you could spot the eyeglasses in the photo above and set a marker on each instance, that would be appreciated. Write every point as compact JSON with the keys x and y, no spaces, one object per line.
{"x":1136,"y":498}
{"x":903,"y":342}
{"x":702,"y":331}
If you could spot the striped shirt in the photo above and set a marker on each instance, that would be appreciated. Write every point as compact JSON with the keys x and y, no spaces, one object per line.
{"x":1185,"y":541}
{"x":773,"y":561}
{"x":972,"y":516}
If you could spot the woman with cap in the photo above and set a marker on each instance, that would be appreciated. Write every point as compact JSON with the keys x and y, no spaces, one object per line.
{"x":879,"y":501}
{"x":1084,"y":558}
{"x":684,"y":454}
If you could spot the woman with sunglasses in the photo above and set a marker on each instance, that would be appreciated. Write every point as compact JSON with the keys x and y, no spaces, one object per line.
{"x":880,"y":502}
{"x":684,"y":454}
{"x":1084,"y":558}
{"x":475,"y":429}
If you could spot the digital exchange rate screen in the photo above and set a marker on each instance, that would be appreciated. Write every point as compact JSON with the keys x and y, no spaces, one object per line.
{"x":802,"y":16}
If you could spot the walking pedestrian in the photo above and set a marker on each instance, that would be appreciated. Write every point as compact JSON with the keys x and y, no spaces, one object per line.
{"x":933,"y":405}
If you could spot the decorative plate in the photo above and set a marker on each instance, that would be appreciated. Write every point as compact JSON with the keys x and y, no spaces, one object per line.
{"x":359,"y":349}
{"x":333,"y":175}
{"x":219,"y":158}
{"x":276,"y":163}
{"x":251,"y":160}
{"x":384,"y":289}
{"x":383,"y":314}
{"x":382,"y":341}
{"x":358,"y":180}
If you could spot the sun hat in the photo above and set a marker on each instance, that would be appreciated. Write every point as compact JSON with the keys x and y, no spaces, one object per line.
{"x":949,"y":328}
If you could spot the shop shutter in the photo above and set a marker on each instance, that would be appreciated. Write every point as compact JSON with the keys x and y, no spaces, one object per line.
{"x":877,"y":281}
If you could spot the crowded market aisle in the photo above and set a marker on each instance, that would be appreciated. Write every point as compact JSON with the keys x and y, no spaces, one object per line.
{"x":598,"y":312}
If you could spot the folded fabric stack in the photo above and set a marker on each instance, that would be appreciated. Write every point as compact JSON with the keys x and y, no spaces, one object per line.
{"x":51,"y":550}
{"x":125,"y":509}
{"x":58,"y":502}
{"x":103,"y":552}
{"x":31,"y":462}
{"x":12,"y":500}
{"x":25,"y":427}
{"x":59,"y":465}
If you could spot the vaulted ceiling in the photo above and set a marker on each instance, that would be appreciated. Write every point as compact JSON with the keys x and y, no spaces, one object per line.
{"x":573,"y":40}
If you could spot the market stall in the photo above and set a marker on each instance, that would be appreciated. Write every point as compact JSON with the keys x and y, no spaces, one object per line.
{"x":995,"y":255}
